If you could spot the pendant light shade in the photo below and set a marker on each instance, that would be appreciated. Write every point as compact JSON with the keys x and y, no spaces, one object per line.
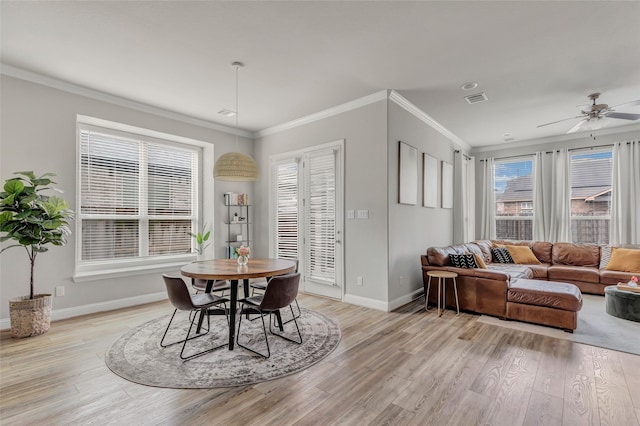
{"x":236,"y":166}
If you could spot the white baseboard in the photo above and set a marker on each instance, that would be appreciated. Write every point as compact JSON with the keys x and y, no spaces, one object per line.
{"x":366,"y":302}
{"x":381,"y":305}
{"x":58,"y":314}
{"x":407,"y":298}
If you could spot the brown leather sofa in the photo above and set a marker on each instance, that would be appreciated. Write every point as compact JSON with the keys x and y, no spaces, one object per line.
{"x":486,"y":290}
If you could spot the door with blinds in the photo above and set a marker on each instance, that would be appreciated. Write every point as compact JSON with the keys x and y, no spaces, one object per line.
{"x":307,"y":217}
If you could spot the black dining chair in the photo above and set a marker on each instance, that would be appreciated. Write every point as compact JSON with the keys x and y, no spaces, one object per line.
{"x":280,"y":293}
{"x":182,"y":300}
{"x":261,"y":285}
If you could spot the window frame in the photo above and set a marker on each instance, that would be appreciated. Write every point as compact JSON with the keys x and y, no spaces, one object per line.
{"x":203,"y":202}
{"x":496,"y":216}
{"x":572,"y":217}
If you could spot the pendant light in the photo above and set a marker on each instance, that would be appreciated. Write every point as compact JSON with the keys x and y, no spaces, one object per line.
{"x":236,"y":166}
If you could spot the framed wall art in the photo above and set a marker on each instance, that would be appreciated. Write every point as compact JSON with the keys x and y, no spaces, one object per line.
{"x":408,"y":174}
{"x":429,"y":181}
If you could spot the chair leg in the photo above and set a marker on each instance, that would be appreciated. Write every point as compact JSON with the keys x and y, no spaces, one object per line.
{"x":264,"y":329}
{"x":187,"y":338}
{"x":297,"y":328}
{"x":297,"y":316}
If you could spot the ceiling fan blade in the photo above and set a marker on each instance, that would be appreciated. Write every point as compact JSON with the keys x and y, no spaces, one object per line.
{"x":564,"y":119}
{"x":623,"y":115}
{"x":577,"y":126}
{"x":632,"y":103}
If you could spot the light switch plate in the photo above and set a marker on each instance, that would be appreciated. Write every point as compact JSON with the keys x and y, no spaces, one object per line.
{"x":351,"y":214}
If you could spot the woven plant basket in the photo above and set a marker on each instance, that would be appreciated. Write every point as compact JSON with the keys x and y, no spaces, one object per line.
{"x":30,"y":317}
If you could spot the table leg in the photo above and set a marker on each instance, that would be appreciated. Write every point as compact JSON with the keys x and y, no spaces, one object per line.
{"x":439,"y":289}
{"x":455,"y":288}
{"x":426,"y":296}
{"x":232,"y":312}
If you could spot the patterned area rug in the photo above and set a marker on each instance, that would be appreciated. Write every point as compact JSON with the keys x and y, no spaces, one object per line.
{"x":138,"y":357}
{"x":595,"y":327}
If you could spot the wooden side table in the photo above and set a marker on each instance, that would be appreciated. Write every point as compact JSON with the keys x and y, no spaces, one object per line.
{"x":442,"y":277}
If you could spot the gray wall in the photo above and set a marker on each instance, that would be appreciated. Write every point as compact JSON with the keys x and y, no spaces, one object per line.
{"x":365,"y":241}
{"x":533,"y":146}
{"x":412,"y":229}
{"x":39,"y":133}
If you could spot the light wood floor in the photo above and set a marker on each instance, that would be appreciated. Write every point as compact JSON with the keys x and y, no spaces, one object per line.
{"x":404,"y":367}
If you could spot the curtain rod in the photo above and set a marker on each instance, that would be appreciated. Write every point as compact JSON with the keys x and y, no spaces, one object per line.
{"x":463,"y":154}
{"x":550,"y":152}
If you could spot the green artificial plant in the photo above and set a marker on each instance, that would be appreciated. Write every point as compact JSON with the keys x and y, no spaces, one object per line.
{"x":31,"y":218}
{"x":201,"y":238}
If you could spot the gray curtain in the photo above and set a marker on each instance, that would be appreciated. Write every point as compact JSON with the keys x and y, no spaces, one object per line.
{"x":552,"y":197}
{"x":625,"y":199}
{"x":464,"y":198}
{"x":488,"y":221}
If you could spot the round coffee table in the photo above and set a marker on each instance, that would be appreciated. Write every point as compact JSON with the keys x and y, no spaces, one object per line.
{"x":622,"y":304}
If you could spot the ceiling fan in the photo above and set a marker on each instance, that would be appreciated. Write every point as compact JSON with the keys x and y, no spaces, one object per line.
{"x":593,"y":116}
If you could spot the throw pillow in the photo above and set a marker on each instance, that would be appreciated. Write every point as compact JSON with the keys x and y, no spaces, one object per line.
{"x":523,"y":255}
{"x":605,"y":256}
{"x":467,"y":261}
{"x":501,"y":255}
{"x":480,"y":261}
{"x":625,"y":260}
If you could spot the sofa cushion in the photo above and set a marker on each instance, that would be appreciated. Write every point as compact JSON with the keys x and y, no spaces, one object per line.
{"x":539,"y":271}
{"x":575,"y":254}
{"x":485,"y":247}
{"x":439,"y":256}
{"x":573,"y":273}
{"x":512,"y":270}
{"x":523,"y":255}
{"x":623,"y":259}
{"x":614,"y":277}
{"x":465,"y":261}
{"x":480,"y":261}
{"x":605,"y":256}
{"x":501,"y":255}
{"x":541,"y":249}
{"x":555,"y":295}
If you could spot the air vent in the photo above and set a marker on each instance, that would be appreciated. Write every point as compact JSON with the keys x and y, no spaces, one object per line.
{"x":476,"y":97}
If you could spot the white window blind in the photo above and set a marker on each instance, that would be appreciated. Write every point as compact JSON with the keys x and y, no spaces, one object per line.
{"x":286,"y":235}
{"x":320,"y":213}
{"x":591,"y":185}
{"x":137,"y":197}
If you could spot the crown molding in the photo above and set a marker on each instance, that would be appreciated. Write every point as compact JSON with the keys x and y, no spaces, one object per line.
{"x":41,"y":79}
{"x":339,"y":109}
{"x":559,"y":138}
{"x":407,"y":105}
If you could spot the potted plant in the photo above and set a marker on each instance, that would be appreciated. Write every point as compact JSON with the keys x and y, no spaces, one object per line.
{"x":33,"y":220}
{"x":201,"y":238}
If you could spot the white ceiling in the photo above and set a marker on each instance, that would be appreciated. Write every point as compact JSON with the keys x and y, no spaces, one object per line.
{"x":536,"y":61}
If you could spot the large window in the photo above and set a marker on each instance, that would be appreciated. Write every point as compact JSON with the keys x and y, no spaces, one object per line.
{"x":591,"y":174}
{"x":138,"y":198}
{"x":513,"y":180}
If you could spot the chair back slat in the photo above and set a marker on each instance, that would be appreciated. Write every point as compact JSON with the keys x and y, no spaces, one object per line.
{"x":281,"y":292}
{"x":178,"y":293}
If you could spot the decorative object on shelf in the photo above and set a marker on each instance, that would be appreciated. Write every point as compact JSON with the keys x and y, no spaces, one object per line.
{"x":633,"y":282}
{"x":33,"y":220}
{"x":201,"y":238}
{"x":233,"y":199}
{"x":236,"y":166}
{"x":243,"y":253}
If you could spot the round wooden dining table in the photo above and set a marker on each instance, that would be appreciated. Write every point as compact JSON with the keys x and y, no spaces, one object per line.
{"x":228,"y":269}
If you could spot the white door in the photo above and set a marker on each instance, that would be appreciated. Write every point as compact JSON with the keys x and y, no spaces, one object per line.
{"x":307,"y":216}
